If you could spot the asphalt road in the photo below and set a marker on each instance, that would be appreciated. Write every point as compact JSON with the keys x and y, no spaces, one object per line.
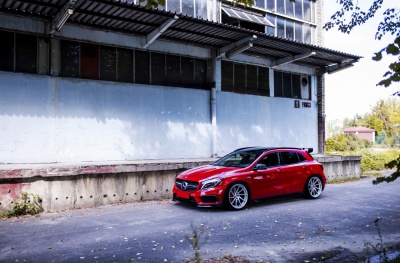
{"x":334,"y":228}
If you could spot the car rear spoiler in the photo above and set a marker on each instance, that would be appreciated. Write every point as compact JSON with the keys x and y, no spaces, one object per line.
{"x":309,"y":150}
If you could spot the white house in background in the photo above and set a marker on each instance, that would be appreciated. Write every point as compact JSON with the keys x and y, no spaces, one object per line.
{"x":361,"y":132}
{"x":107,"y":80}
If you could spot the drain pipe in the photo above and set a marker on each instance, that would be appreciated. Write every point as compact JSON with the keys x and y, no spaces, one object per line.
{"x":321,"y":111}
{"x":213,"y":102}
{"x":216,"y":83}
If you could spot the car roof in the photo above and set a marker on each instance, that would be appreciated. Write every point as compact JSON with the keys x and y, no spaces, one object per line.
{"x":261,"y":148}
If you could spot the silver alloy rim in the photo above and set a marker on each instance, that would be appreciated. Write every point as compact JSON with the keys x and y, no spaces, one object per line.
{"x":315,"y":187}
{"x":238,"y":196}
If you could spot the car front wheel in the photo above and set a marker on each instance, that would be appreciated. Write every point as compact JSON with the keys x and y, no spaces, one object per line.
{"x":313,"y":187}
{"x":237,"y":196}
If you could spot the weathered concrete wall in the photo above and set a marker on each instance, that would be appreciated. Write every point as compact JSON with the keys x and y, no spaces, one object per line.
{"x":76,"y":186}
{"x":340,"y":167}
{"x":89,"y":185}
{"x":45,"y":119}
{"x":256,"y":121}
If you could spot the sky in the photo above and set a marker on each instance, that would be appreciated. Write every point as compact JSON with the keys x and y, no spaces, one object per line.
{"x":353,"y":91}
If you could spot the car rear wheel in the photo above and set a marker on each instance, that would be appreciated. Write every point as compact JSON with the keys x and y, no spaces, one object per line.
{"x":236,"y":197}
{"x":313,"y":187}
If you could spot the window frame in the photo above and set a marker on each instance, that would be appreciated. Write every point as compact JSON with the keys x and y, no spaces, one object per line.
{"x":229,"y":78}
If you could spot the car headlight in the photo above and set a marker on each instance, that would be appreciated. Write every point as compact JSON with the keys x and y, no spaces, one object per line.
{"x":211,"y":183}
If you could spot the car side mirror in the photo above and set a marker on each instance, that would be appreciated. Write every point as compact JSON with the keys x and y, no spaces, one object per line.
{"x":260,"y":166}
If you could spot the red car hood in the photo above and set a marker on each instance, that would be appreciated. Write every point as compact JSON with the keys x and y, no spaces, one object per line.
{"x":206,"y":172}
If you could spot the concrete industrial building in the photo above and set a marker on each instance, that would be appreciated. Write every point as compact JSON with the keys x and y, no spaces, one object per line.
{"x":110,"y":81}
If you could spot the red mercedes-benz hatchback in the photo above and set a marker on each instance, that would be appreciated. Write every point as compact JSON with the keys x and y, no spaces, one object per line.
{"x":249,"y":174}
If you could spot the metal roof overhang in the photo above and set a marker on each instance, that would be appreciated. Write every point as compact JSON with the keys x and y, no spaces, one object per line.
{"x":128,"y":18}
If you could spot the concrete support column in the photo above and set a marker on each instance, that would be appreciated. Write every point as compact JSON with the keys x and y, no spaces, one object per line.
{"x":43,"y":57}
{"x":321,"y":111}
{"x":55,"y":61}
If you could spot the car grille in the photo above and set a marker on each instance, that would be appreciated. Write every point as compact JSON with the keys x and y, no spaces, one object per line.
{"x":186,"y":185}
{"x":209,"y":199}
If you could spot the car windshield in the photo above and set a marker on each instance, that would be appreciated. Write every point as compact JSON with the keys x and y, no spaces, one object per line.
{"x":239,"y":158}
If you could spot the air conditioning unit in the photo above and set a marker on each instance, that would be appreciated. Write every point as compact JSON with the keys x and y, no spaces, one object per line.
{"x":305,"y":87}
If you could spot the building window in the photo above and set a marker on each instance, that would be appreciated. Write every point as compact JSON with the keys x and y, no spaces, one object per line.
{"x":288,"y":85}
{"x":70,"y":59}
{"x":293,"y":30}
{"x":108,"y":63}
{"x":142,"y":67}
{"x":26,"y":53}
{"x":200,"y":73}
{"x":270,"y":4}
{"x":289,"y":8}
{"x":260,"y":3}
{"x":173,"y":76}
{"x":298,"y":31}
{"x":286,"y":27}
{"x":197,"y":8}
{"x":30,"y":53}
{"x":89,"y":61}
{"x":125,"y":65}
{"x":7,"y":51}
{"x":158,"y":69}
{"x":244,"y":79}
{"x":289,"y":32}
{"x":280,"y":28}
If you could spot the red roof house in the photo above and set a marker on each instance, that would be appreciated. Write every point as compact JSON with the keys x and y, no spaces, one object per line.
{"x":361,"y":132}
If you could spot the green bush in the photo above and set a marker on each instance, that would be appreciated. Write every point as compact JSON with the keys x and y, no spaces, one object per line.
{"x":29,"y":204}
{"x":376,"y":159}
{"x":346,"y":142}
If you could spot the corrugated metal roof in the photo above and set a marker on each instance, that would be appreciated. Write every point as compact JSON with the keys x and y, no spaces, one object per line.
{"x":126,"y":17}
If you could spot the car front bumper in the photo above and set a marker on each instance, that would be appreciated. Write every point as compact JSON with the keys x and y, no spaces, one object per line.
{"x":202,"y":198}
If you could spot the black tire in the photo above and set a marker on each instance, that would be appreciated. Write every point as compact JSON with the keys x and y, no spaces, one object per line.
{"x":236,"y":196}
{"x":313,"y":187}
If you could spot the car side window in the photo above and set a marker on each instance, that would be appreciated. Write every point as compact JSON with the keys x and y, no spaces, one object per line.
{"x":301,"y":157}
{"x":289,"y":158}
{"x":270,"y":160}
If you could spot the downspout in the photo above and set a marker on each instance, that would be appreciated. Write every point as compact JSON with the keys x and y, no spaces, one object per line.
{"x":321,"y":110}
{"x":213,"y":101}
{"x":214,"y":120}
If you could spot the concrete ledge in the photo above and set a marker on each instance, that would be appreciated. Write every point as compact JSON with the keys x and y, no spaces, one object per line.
{"x":12,"y":171}
{"x":340,"y":167}
{"x":80,"y":185}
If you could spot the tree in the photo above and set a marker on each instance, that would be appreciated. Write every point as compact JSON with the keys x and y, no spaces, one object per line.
{"x":375,"y":123}
{"x":351,"y":15}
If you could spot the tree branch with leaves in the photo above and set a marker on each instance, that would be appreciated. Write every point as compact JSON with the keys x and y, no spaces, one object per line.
{"x":351,"y":15}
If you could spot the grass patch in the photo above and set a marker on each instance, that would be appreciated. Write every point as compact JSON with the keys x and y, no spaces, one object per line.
{"x":344,"y":180}
{"x":29,"y":204}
